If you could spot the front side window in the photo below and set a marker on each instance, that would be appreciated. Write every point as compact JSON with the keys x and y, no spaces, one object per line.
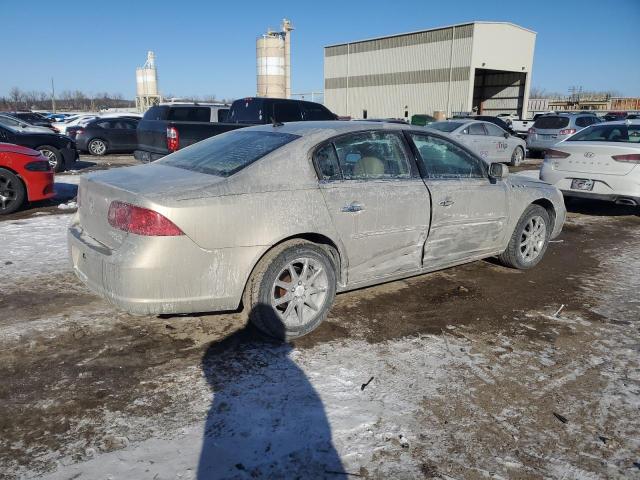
{"x":608,"y":133}
{"x":442,"y":159}
{"x":372,"y":155}
{"x":494,"y":130}
{"x":226,"y":154}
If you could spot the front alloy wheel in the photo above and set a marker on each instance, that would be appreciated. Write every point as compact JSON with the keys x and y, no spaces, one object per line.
{"x":533,"y":239}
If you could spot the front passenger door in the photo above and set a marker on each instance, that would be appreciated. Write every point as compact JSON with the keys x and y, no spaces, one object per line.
{"x":469,"y":211}
{"x":377,"y":202}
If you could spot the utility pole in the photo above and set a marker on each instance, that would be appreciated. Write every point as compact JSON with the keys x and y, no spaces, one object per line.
{"x":53,"y":96}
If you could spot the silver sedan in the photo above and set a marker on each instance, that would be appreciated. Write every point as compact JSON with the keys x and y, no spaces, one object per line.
{"x":280,"y":218}
{"x":486,"y":139}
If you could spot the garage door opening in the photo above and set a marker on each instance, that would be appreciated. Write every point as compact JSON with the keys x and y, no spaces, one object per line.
{"x":497,"y":91}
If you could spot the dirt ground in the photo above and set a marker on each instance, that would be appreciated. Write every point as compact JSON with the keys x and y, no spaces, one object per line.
{"x":477,"y":371}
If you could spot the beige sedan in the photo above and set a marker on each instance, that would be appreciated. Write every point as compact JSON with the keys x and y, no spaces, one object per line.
{"x":280,"y":218}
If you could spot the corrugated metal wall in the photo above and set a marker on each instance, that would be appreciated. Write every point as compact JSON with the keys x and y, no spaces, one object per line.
{"x":384,"y":75}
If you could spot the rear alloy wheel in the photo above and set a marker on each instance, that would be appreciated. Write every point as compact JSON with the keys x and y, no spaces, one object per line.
{"x":12,"y":192}
{"x":56,"y":160}
{"x":97,"y":147}
{"x":529,"y":240}
{"x":517,"y":157}
{"x":291,"y":290}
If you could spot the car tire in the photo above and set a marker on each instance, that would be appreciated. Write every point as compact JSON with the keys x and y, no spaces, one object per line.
{"x":273,"y":280}
{"x":56,"y":160}
{"x":517,"y":157}
{"x":529,"y":240}
{"x":97,"y":147}
{"x":12,"y":192}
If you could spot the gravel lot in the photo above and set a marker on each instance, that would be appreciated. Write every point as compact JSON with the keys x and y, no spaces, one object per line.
{"x":474,"y":372}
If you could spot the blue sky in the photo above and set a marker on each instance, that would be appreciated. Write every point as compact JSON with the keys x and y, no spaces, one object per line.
{"x":207,"y":47}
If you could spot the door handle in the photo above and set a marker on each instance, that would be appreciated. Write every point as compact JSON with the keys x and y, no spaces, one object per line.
{"x":447,"y":203}
{"x":352,"y":208}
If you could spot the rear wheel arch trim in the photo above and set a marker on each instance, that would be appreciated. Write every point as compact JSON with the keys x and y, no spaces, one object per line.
{"x":17,"y":174}
{"x":333,"y":249}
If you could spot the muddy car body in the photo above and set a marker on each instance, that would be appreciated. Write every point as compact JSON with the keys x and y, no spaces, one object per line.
{"x":288,"y":215}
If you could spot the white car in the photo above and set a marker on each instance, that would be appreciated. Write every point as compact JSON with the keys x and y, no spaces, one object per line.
{"x":485,"y":139}
{"x":602,"y":162}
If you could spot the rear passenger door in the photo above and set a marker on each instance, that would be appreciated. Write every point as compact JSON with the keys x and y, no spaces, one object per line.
{"x":474,"y":136}
{"x":499,"y":151}
{"x":130,"y":137}
{"x":377,"y":202}
{"x":469,"y":211}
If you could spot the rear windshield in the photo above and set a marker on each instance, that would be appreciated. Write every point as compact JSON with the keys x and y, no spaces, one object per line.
{"x":445,"y":126}
{"x":608,"y":133}
{"x":247,"y":111}
{"x":551,"y":123}
{"x":190,"y":114}
{"x":156,"y":113}
{"x":226,"y":154}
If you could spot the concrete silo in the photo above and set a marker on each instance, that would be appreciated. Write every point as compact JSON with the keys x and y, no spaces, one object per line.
{"x":147,"y":94}
{"x":273,"y":58}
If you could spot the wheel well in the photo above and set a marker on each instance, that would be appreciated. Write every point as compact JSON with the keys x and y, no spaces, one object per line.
{"x":548,"y":206}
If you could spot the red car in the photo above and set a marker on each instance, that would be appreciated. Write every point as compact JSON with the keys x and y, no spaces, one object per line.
{"x":25,"y":175}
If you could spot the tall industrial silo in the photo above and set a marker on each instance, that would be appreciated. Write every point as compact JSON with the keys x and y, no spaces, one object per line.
{"x":147,"y":93}
{"x":273,"y":58}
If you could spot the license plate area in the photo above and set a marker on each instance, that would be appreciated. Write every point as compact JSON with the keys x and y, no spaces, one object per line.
{"x":581,"y":184}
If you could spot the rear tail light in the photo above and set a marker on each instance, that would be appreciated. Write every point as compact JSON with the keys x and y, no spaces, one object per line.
{"x":173,"y":139}
{"x":629,"y":158}
{"x":532,"y":130}
{"x":567,"y":131}
{"x":555,"y":154}
{"x":38,"y":166}
{"x":141,"y":221}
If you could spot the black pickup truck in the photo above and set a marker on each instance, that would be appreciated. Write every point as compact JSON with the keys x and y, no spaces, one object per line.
{"x":167,"y":128}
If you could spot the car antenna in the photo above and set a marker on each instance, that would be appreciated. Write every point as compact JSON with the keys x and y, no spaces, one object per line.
{"x":276,"y":124}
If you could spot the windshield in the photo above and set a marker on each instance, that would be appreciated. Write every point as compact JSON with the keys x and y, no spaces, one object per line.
{"x":445,"y":126}
{"x":608,"y":133}
{"x":226,"y":154}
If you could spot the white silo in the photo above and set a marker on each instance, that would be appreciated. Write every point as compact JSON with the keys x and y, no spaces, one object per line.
{"x":147,"y":93}
{"x":273,"y":58}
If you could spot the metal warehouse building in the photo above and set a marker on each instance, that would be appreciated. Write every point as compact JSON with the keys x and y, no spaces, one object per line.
{"x":482,"y":67}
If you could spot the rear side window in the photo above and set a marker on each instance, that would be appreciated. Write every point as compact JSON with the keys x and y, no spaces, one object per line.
{"x":223,"y":115}
{"x":445,"y":126}
{"x":247,"y":110}
{"x":104,"y":124}
{"x":476,"y":129}
{"x":156,"y":113}
{"x":443,"y":160}
{"x":371,"y":155}
{"x":584,"y":121}
{"x":608,"y":133}
{"x":287,"y":112}
{"x":327,"y":163}
{"x":551,"y":123}
{"x":315,"y":111}
{"x":226,"y":154}
{"x":190,"y":114}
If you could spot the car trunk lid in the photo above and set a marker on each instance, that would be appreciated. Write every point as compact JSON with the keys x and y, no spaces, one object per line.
{"x":593,"y":157}
{"x":152,"y":186}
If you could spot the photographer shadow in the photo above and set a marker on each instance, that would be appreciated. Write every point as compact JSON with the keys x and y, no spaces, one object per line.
{"x":266,"y":420}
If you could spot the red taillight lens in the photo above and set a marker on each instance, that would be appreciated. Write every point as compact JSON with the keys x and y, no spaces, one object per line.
{"x":629,"y":158}
{"x":173,"y":139}
{"x":532,"y":130}
{"x":567,"y":131}
{"x":555,"y":154}
{"x":141,"y":221}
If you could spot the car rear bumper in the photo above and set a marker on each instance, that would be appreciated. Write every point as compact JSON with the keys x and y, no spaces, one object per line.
{"x":39,"y":185}
{"x":146,"y":157}
{"x":605,"y":187}
{"x":179,"y":277}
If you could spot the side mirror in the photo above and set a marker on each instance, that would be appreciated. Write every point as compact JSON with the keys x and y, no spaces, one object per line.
{"x":506,"y":135}
{"x":498,"y":170}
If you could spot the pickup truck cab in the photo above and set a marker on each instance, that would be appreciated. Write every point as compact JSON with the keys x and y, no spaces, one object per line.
{"x":165,"y":129}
